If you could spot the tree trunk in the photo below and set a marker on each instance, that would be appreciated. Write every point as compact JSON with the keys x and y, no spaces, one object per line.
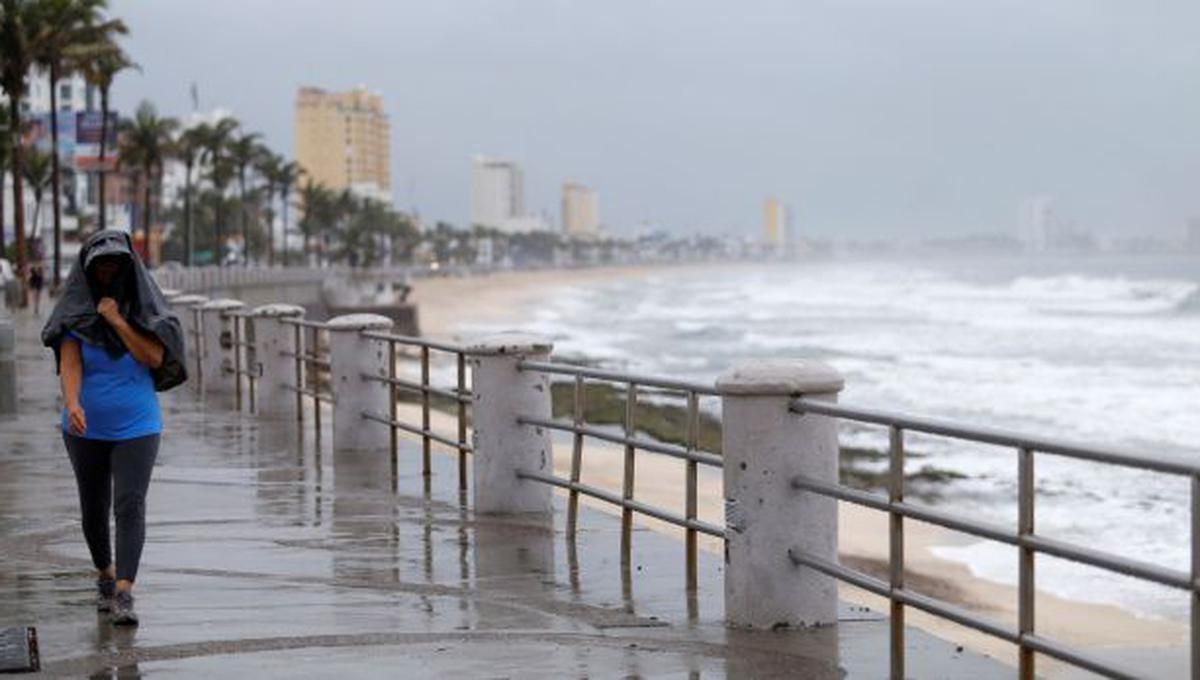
{"x":54,"y":183}
{"x":146,"y":184}
{"x":270,"y":211}
{"x":18,"y":163}
{"x":2,"y":243}
{"x":245,"y":234}
{"x":220,"y":227}
{"x":103,"y":221}
{"x":187,"y":213}
{"x":283,"y":197}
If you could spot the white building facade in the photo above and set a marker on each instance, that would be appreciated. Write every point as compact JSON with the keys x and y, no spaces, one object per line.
{"x":498,"y":196}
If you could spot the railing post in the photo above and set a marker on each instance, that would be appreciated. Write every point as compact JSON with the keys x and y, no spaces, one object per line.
{"x":503,"y":446}
{"x":351,"y":356}
{"x":216,"y":346}
{"x":181,"y":306}
{"x":272,"y":338}
{"x":765,"y":446}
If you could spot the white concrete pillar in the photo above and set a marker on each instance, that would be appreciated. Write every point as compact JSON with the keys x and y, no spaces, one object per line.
{"x":503,"y":446}
{"x":351,"y":355}
{"x":765,"y":446}
{"x":272,"y":337}
{"x":216,"y":346}
{"x":182,"y":306}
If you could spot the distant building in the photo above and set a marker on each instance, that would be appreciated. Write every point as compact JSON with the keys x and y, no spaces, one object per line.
{"x":580,"y":211}
{"x":78,"y":104}
{"x":1037,"y":222}
{"x":343,"y":140}
{"x":775,"y":223}
{"x":1193,"y":235}
{"x":498,"y":196}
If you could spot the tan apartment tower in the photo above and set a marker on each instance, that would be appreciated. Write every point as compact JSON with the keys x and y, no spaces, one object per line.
{"x":580,"y":211}
{"x":774,"y":223}
{"x":343,"y":141}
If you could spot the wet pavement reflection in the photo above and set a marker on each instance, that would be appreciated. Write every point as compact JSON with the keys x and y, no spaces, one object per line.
{"x":269,"y":555}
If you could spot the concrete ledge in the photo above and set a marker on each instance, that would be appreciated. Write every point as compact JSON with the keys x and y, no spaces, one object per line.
{"x":766,"y":378}
{"x":278,"y":310}
{"x":187,"y":300}
{"x":359,"y":322}
{"x":222,"y":304}
{"x":511,"y":343}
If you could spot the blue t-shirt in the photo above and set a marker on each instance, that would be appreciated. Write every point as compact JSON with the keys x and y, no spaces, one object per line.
{"x":117,"y":396}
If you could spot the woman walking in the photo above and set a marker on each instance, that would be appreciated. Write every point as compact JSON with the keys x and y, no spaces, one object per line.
{"x":116,"y":344}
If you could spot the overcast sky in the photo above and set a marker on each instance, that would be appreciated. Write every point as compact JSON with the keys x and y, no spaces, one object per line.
{"x":871,"y":117}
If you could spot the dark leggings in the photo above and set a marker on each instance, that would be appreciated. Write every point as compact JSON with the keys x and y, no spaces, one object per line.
{"x":105,"y":469}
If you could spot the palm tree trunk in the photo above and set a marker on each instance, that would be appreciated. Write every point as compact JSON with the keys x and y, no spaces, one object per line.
{"x":103,"y":222}
{"x":18,"y":162}
{"x":146,"y":183}
{"x":245,"y":234}
{"x":283,"y":197}
{"x":187,"y":214}
{"x":2,"y":244}
{"x":220,"y":227}
{"x":54,"y":184}
{"x":270,"y":211}
{"x":36,"y":230}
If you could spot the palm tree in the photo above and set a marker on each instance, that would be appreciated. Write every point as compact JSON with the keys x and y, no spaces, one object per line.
{"x":244,"y":151}
{"x":267,"y":166}
{"x":319,"y":212}
{"x":100,"y":70}
{"x":38,"y":168}
{"x":70,"y":32}
{"x":220,"y":173}
{"x":17,"y":51}
{"x":286,"y":176}
{"x":189,"y":148}
{"x":145,"y":145}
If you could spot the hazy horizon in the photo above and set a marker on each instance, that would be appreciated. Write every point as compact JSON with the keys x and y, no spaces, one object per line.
{"x":872,"y":118}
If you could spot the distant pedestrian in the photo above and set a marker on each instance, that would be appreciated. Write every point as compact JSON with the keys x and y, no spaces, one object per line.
{"x":116,"y":343}
{"x":37,"y":281}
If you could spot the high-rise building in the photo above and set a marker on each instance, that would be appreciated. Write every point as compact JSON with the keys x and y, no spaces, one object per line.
{"x":498,"y":196}
{"x":580,"y":210}
{"x":775,"y":223}
{"x":343,"y":140}
{"x":1038,"y":222}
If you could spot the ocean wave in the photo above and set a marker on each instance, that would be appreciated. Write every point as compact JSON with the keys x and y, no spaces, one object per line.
{"x":1116,"y":295}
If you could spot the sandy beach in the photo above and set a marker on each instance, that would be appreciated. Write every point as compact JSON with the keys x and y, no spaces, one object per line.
{"x":447,"y":304}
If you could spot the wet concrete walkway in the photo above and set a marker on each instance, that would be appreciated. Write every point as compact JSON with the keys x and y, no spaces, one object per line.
{"x":268,"y":556}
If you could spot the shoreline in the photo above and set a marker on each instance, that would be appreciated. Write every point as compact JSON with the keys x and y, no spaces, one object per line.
{"x":506,"y":298}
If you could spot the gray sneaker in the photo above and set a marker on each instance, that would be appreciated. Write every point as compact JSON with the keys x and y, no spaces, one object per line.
{"x":106,"y":589}
{"x":122,"y":609}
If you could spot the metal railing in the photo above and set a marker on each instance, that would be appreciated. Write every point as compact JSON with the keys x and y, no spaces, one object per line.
{"x":460,"y":396}
{"x":312,"y":364}
{"x":196,"y":335}
{"x":243,"y":356}
{"x":580,"y":430}
{"x":1027,"y":542}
